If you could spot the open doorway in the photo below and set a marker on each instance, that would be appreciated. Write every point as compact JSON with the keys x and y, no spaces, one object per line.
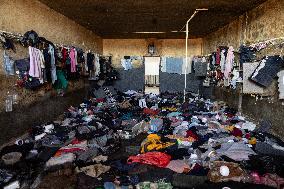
{"x":152,"y":71}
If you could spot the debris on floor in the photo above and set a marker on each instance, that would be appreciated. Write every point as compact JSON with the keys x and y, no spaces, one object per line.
{"x":146,"y":141}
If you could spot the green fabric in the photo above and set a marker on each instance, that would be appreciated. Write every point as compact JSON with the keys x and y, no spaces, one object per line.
{"x":61,"y":82}
{"x":159,"y":185}
{"x":68,"y":60}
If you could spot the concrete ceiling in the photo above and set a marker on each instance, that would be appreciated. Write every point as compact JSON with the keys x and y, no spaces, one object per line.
{"x":121,"y":18}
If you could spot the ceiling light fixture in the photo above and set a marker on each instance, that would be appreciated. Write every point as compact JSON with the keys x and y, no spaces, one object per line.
{"x":178,"y":31}
{"x":149,"y":32}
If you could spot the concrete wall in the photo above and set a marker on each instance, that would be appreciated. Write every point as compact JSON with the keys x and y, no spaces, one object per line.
{"x":139,"y":47}
{"x":19,"y":16}
{"x":134,"y":79}
{"x":22,"y":15}
{"x":262,"y":23}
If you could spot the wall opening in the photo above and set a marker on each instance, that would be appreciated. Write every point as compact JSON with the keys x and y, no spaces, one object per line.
{"x":152,"y":72}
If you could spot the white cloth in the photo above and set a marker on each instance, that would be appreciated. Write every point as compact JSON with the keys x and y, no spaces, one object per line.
{"x":163,"y":64}
{"x":142,"y":103}
{"x":64,"y":158}
{"x":97,"y":64}
{"x":281,"y":84}
{"x":187,"y":69}
{"x":229,"y":62}
{"x":152,"y":65}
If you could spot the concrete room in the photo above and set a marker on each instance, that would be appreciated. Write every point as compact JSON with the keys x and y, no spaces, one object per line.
{"x":141,"y":94}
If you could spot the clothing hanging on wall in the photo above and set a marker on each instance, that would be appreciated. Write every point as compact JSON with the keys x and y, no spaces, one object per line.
{"x":163,"y":64}
{"x":281,"y":84}
{"x":267,"y":70}
{"x":126,"y":64}
{"x":52,"y":63}
{"x":64,"y":55}
{"x":174,"y":65}
{"x":90,"y":61}
{"x":36,"y":63}
{"x":229,"y":62}
{"x":97,"y":65}
{"x":73,"y":58}
{"x":187,"y":69}
{"x":200,"y":67}
{"x":9,"y":64}
{"x":223,"y":61}
{"x":152,"y":65}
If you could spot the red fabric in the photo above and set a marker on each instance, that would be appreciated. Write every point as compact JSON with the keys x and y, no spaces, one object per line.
{"x":247,"y":135}
{"x":76,"y":141}
{"x":268,"y":180}
{"x":237,"y":132}
{"x":218,"y":56}
{"x":191,"y":134}
{"x":158,"y":159}
{"x":100,"y":100}
{"x":64,"y":55}
{"x":70,"y":150}
{"x":149,"y":111}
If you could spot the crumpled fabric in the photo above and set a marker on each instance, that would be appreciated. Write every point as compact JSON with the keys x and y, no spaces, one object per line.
{"x":236,"y":151}
{"x":236,"y":173}
{"x":153,"y":143}
{"x":178,"y":166}
{"x":268,"y":179}
{"x":60,"y":160}
{"x":5,"y":176}
{"x":93,"y":170}
{"x":158,"y":159}
{"x":156,"y":125}
{"x":149,"y":111}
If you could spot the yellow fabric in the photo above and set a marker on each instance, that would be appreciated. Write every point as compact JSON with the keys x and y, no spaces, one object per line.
{"x":252,"y":141}
{"x":230,"y":128}
{"x":154,"y":143}
{"x":171,"y":109}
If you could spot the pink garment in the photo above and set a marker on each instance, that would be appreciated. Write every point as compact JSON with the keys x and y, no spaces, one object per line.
{"x":268,"y":179}
{"x":178,"y":166}
{"x":73,"y":58}
{"x":229,"y":62}
{"x":36,"y":62}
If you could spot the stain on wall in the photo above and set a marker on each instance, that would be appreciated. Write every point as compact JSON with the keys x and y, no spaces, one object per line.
{"x":262,"y":23}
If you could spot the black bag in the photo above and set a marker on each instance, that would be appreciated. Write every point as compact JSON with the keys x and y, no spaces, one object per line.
{"x":32,"y":83}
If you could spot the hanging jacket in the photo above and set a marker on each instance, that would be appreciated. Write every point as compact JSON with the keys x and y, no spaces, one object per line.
{"x":73,"y":57}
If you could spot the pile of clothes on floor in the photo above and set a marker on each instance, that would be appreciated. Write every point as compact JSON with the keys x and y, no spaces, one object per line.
{"x":132,"y":140}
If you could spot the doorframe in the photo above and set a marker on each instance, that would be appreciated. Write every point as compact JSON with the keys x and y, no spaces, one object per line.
{"x":159,"y":69}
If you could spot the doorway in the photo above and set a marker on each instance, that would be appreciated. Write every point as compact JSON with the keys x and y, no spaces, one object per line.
{"x":152,"y":72}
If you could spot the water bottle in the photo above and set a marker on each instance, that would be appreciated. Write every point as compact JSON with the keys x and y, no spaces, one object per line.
{"x":9,"y":103}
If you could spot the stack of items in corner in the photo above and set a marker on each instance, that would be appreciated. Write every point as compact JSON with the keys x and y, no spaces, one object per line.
{"x":148,"y":141}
